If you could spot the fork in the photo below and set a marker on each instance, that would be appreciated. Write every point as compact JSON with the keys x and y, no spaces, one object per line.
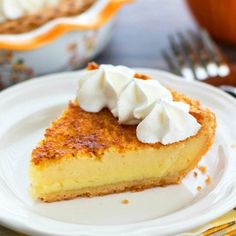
{"x":220,"y":230}
{"x":195,"y":56}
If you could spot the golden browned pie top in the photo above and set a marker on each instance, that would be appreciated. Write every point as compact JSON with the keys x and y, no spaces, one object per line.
{"x":30,"y":22}
{"x":91,"y":134}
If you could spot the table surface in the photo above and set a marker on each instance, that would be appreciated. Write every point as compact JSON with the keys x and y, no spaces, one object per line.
{"x":141,"y":33}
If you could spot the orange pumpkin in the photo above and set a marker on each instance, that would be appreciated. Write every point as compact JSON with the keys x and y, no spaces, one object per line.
{"x":217,"y":16}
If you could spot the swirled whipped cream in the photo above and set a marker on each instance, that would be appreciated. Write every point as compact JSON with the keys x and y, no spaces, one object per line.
{"x":138,"y":99}
{"x":167,"y":122}
{"x":14,"y":9}
{"x":145,"y":103}
{"x":101,"y":88}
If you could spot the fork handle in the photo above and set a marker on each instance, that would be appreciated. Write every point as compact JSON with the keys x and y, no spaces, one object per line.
{"x":229,"y":89}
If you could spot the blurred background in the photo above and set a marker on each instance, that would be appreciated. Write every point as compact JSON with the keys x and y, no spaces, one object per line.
{"x":142,"y":28}
{"x":161,"y":34}
{"x":141,"y":32}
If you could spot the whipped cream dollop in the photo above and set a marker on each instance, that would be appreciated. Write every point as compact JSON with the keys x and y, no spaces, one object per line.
{"x":138,"y":98}
{"x":167,"y":122}
{"x":101,"y":87}
{"x":134,"y":101}
{"x":14,"y":9}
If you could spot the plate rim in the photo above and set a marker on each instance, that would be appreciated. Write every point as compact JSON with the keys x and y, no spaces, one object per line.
{"x":15,"y":224}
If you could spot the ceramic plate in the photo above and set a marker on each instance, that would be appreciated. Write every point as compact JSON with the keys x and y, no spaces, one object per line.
{"x":28,"y":108}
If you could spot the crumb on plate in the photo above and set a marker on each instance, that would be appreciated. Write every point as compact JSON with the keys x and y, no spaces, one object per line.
{"x":208,"y":180}
{"x":195,"y":174}
{"x":199,"y":188}
{"x":125,"y":201}
{"x":202,"y":169}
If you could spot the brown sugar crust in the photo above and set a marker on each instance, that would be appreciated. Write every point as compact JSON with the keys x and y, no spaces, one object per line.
{"x":91,"y":134}
{"x":141,"y":76}
{"x":92,"y":66}
{"x":30,"y":22}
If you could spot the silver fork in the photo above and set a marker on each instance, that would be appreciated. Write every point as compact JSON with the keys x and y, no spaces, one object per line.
{"x":195,"y":56}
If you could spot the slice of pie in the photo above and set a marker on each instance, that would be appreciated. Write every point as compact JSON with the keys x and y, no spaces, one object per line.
{"x":91,"y":154}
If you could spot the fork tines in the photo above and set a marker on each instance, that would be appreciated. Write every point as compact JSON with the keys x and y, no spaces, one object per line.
{"x":195,"y":56}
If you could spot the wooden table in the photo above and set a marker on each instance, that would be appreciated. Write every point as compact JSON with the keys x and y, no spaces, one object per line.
{"x":141,"y":33}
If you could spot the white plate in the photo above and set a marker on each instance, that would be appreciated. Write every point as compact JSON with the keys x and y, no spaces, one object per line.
{"x":28,"y":108}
